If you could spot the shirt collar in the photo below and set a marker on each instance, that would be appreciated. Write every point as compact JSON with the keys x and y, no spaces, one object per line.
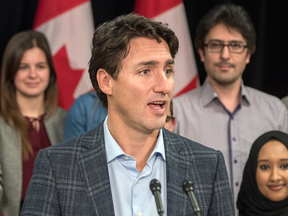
{"x":208,"y":93}
{"x":113,"y":150}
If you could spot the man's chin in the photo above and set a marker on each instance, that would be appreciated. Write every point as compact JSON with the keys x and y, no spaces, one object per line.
{"x":226,"y":81}
{"x":156,"y":126}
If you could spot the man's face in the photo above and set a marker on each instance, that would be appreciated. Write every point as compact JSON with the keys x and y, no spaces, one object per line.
{"x":144,"y":86}
{"x":224,"y":68}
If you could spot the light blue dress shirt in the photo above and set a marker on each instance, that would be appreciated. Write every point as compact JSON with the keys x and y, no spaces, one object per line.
{"x":130,"y":189}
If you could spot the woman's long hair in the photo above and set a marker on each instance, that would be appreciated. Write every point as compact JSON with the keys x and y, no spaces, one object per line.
{"x":9,"y":108}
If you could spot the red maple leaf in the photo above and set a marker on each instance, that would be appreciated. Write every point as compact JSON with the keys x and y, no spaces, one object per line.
{"x":67,"y":78}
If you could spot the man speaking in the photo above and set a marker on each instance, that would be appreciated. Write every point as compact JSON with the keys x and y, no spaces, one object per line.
{"x":108,"y":170}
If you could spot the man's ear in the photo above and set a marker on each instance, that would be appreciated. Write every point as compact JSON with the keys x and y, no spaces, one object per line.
{"x":201,"y":54}
{"x":248,"y":58}
{"x":104,"y":81}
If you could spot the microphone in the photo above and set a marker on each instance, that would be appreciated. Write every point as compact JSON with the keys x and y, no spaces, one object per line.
{"x":155,"y":187}
{"x":188,"y":189}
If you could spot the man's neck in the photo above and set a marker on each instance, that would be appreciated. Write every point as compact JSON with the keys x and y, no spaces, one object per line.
{"x":229,"y":95}
{"x":133,"y":142}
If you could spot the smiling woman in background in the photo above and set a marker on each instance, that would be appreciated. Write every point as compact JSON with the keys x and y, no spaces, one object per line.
{"x":29,"y":117}
{"x":264,"y":189}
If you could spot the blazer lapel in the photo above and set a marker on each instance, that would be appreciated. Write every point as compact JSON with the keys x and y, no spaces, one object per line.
{"x":176,"y":168}
{"x":93,"y":166}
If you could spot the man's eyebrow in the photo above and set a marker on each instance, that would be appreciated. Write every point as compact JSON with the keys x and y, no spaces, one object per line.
{"x":170,"y":62}
{"x":152,"y":62}
{"x":221,"y":41}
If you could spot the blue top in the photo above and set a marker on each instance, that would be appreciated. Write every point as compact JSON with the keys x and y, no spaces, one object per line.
{"x":131,"y":192}
{"x":85,"y":114}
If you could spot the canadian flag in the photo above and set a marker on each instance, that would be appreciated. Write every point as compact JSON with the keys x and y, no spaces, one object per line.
{"x":173,"y":13}
{"x":68,"y":26}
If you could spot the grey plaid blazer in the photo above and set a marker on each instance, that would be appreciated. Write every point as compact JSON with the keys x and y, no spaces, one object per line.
{"x":72,"y":178}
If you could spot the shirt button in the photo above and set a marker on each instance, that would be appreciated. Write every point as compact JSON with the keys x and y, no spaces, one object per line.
{"x":234,"y":139}
{"x":138,"y":182}
{"x":236,"y":184}
{"x":126,"y":158}
{"x":139,"y":213}
{"x":235,"y":161}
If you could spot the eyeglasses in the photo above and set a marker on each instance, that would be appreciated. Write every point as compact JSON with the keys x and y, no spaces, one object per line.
{"x":217,"y":47}
{"x":169,"y":118}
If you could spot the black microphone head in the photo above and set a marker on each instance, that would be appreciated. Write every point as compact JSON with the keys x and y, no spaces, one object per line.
{"x":155,"y":185}
{"x":187,"y":186}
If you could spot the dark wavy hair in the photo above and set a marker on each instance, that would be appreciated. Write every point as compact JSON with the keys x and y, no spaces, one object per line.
{"x":110,"y":44}
{"x":9,"y":109}
{"x":232,"y":16}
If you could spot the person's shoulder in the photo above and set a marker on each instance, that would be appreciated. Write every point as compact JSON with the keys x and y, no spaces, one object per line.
{"x":4,"y":126}
{"x":60,"y":111}
{"x":6,"y":130}
{"x":88,"y":140}
{"x":59,"y":115}
{"x":264,"y":98}
{"x":188,"y":95}
{"x":187,"y":145}
{"x":285,"y":101}
{"x":191,"y":97}
{"x":84,"y":102}
{"x":2,"y":120}
{"x":87,"y":96}
{"x":257,"y":93}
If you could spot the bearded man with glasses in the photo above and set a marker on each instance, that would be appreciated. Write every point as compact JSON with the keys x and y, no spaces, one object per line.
{"x":223,"y":113}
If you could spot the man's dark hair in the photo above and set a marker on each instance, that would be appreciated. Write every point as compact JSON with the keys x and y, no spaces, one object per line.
{"x":232,"y":16}
{"x":110,"y":44}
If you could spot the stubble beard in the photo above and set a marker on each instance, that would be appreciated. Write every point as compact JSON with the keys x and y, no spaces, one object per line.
{"x":225,"y":80}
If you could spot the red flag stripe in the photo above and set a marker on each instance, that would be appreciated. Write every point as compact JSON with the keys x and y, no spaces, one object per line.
{"x":190,"y":86}
{"x":47,"y":10}
{"x":151,"y":9}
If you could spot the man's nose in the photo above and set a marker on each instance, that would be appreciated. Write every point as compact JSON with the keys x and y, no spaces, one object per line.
{"x":162,"y":83}
{"x":225,"y":53}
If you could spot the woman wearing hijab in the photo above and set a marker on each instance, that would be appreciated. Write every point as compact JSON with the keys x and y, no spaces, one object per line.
{"x":29,"y":117}
{"x":264,"y":189}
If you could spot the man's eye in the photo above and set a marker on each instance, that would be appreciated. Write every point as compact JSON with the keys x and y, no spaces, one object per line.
{"x":168,"y":72}
{"x":215,"y":45}
{"x":236,"y":45}
{"x":144,"y":72}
